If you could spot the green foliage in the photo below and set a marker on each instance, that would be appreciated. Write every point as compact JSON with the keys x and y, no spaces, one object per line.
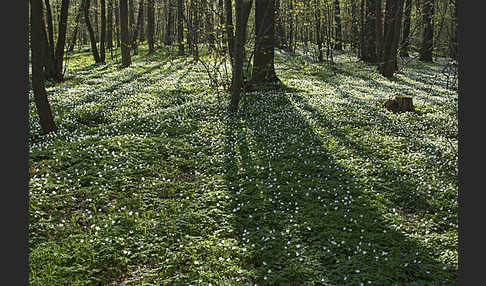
{"x":149,"y":181}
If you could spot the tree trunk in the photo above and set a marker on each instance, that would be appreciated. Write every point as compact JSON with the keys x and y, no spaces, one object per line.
{"x":125,"y":37}
{"x":109,"y":23}
{"x":406,"y":29}
{"x":242,"y":13}
{"x":317,"y":14}
{"x":369,"y":32}
{"x":337,"y":18}
{"x":43,"y":108}
{"x":263,"y":61}
{"x":180,"y":26}
{"x":229,"y":29}
{"x":76,"y":29}
{"x":117,"y":23}
{"x":103,"y":31}
{"x":131,"y":20}
{"x":380,"y":35}
{"x":428,"y":38}
{"x":150,"y":25}
{"x":168,"y":31}
{"x":137,"y":30}
{"x":91,"y":32}
{"x":393,"y":20}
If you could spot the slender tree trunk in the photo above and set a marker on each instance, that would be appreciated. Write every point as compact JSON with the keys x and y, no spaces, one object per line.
{"x":170,"y":20}
{"x":109,"y":23}
{"x":103,"y":31}
{"x":406,"y":29}
{"x":43,"y":107}
{"x":317,"y":14}
{"x":229,"y":28}
{"x":125,"y":37}
{"x":242,"y":13}
{"x":393,"y":20}
{"x":136,"y":32}
{"x":117,"y":23}
{"x":180,"y":26}
{"x":49,"y":59}
{"x":379,"y":38}
{"x":428,"y":38}
{"x":91,"y":32}
{"x":151,"y":25}
{"x":61,"y":40}
{"x":131,"y":20}
{"x":354,"y":25}
{"x":337,"y":18}
{"x":263,"y":61}
{"x":76,"y":29}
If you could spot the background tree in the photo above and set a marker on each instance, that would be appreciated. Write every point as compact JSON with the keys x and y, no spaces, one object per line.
{"x":428,"y":37}
{"x":151,"y":25}
{"x":94,"y":48}
{"x":242,"y":8}
{"x":41,"y":102}
{"x":125,"y":37}
{"x":406,"y":29}
{"x":263,"y":62}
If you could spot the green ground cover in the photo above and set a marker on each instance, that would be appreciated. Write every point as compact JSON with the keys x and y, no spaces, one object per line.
{"x":150,"y":181}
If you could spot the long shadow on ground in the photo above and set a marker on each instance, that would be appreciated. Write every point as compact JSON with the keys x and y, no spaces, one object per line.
{"x":303,"y":216}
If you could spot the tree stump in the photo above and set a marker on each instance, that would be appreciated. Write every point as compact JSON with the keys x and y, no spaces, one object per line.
{"x":399,"y":104}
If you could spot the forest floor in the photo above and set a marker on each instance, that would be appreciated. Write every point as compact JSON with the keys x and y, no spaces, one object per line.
{"x":150,"y":180}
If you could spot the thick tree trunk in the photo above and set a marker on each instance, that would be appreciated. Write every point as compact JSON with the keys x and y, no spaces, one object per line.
{"x":125,"y":37}
{"x":151,"y":25}
{"x":91,"y":32}
{"x":406,"y":29}
{"x":242,"y":13}
{"x":43,"y":108}
{"x":263,"y":61}
{"x":393,"y":20}
{"x":428,"y":38}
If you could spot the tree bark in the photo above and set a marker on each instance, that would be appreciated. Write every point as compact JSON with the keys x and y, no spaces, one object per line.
{"x":180,"y":26}
{"x":406,"y":29}
{"x":170,"y":20}
{"x":229,"y":29}
{"x":103,"y":31}
{"x":428,"y":36}
{"x":109,"y":25}
{"x":76,"y":29}
{"x":393,"y":20}
{"x":125,"y":37}
{"x":337,"y":18}
{"x":242,"y":13}
{"x":263,"y":62}
{"x":150,"y":25}
{"x":137,"y":30}
{"x":91,"y":32}
{"x":42,"y":103}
